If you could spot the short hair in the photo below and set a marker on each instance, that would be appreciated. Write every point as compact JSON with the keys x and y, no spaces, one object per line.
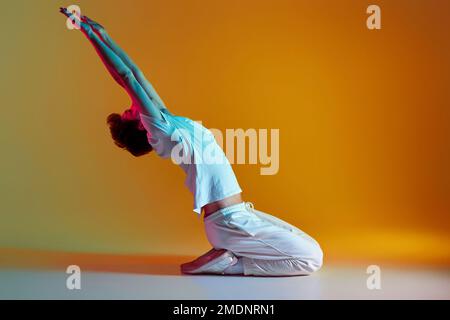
{"x":127,"y":135}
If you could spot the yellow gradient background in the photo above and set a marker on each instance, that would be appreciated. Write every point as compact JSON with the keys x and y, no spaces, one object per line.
{"x":363,"y":118}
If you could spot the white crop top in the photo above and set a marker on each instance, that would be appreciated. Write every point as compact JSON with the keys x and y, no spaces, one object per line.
{"x":209,"y":175}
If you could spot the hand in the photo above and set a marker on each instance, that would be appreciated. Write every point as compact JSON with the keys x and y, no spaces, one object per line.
{"x":84,"y":27}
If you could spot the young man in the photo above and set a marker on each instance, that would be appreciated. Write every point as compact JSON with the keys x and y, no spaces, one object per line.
{"x":245,"y":241}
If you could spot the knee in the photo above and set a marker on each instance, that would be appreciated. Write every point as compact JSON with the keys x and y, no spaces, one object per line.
{"x":309,"y":257}
{"x":315,"y":261}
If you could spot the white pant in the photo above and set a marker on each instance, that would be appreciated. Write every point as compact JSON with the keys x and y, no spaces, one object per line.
{"x":268,"y":246}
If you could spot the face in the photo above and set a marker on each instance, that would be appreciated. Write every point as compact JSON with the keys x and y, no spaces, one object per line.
{"x":132,"y":114}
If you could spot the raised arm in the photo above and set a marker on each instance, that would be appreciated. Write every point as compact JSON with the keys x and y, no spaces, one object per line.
{"x":139,"y":75}
{"x":118,"y":69}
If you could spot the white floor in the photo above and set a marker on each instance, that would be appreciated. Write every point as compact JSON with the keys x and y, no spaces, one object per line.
{"x":167,"y":283}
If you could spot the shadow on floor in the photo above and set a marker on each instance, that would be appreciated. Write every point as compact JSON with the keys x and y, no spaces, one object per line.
{"x":94,"y":262}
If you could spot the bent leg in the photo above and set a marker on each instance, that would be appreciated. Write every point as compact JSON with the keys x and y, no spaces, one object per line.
{"x":265,"y":244}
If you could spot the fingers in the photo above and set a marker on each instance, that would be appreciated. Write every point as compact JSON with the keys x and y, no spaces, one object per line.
{"x":68,"y":14}
{"x":65,"y":12}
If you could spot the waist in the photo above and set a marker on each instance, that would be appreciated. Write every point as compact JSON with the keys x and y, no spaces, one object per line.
{"x":212,"y":207}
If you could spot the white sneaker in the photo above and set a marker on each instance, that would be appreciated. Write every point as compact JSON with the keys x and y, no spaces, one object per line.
{"x":215,"y":261}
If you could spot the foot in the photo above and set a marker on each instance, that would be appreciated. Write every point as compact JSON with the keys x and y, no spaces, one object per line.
{"x":215,"y":261}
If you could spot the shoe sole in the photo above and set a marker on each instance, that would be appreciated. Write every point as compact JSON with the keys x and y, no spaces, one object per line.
{"x":215,"y":263}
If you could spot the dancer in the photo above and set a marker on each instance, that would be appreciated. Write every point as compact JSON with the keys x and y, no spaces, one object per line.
{"x":245,"y":241}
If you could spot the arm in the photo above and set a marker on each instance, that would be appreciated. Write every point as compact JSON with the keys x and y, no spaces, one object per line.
{"x":118,"y":69}
{"x":139,"y":75}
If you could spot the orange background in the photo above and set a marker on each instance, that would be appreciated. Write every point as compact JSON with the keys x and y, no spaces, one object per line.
{"x":363,"y":118}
